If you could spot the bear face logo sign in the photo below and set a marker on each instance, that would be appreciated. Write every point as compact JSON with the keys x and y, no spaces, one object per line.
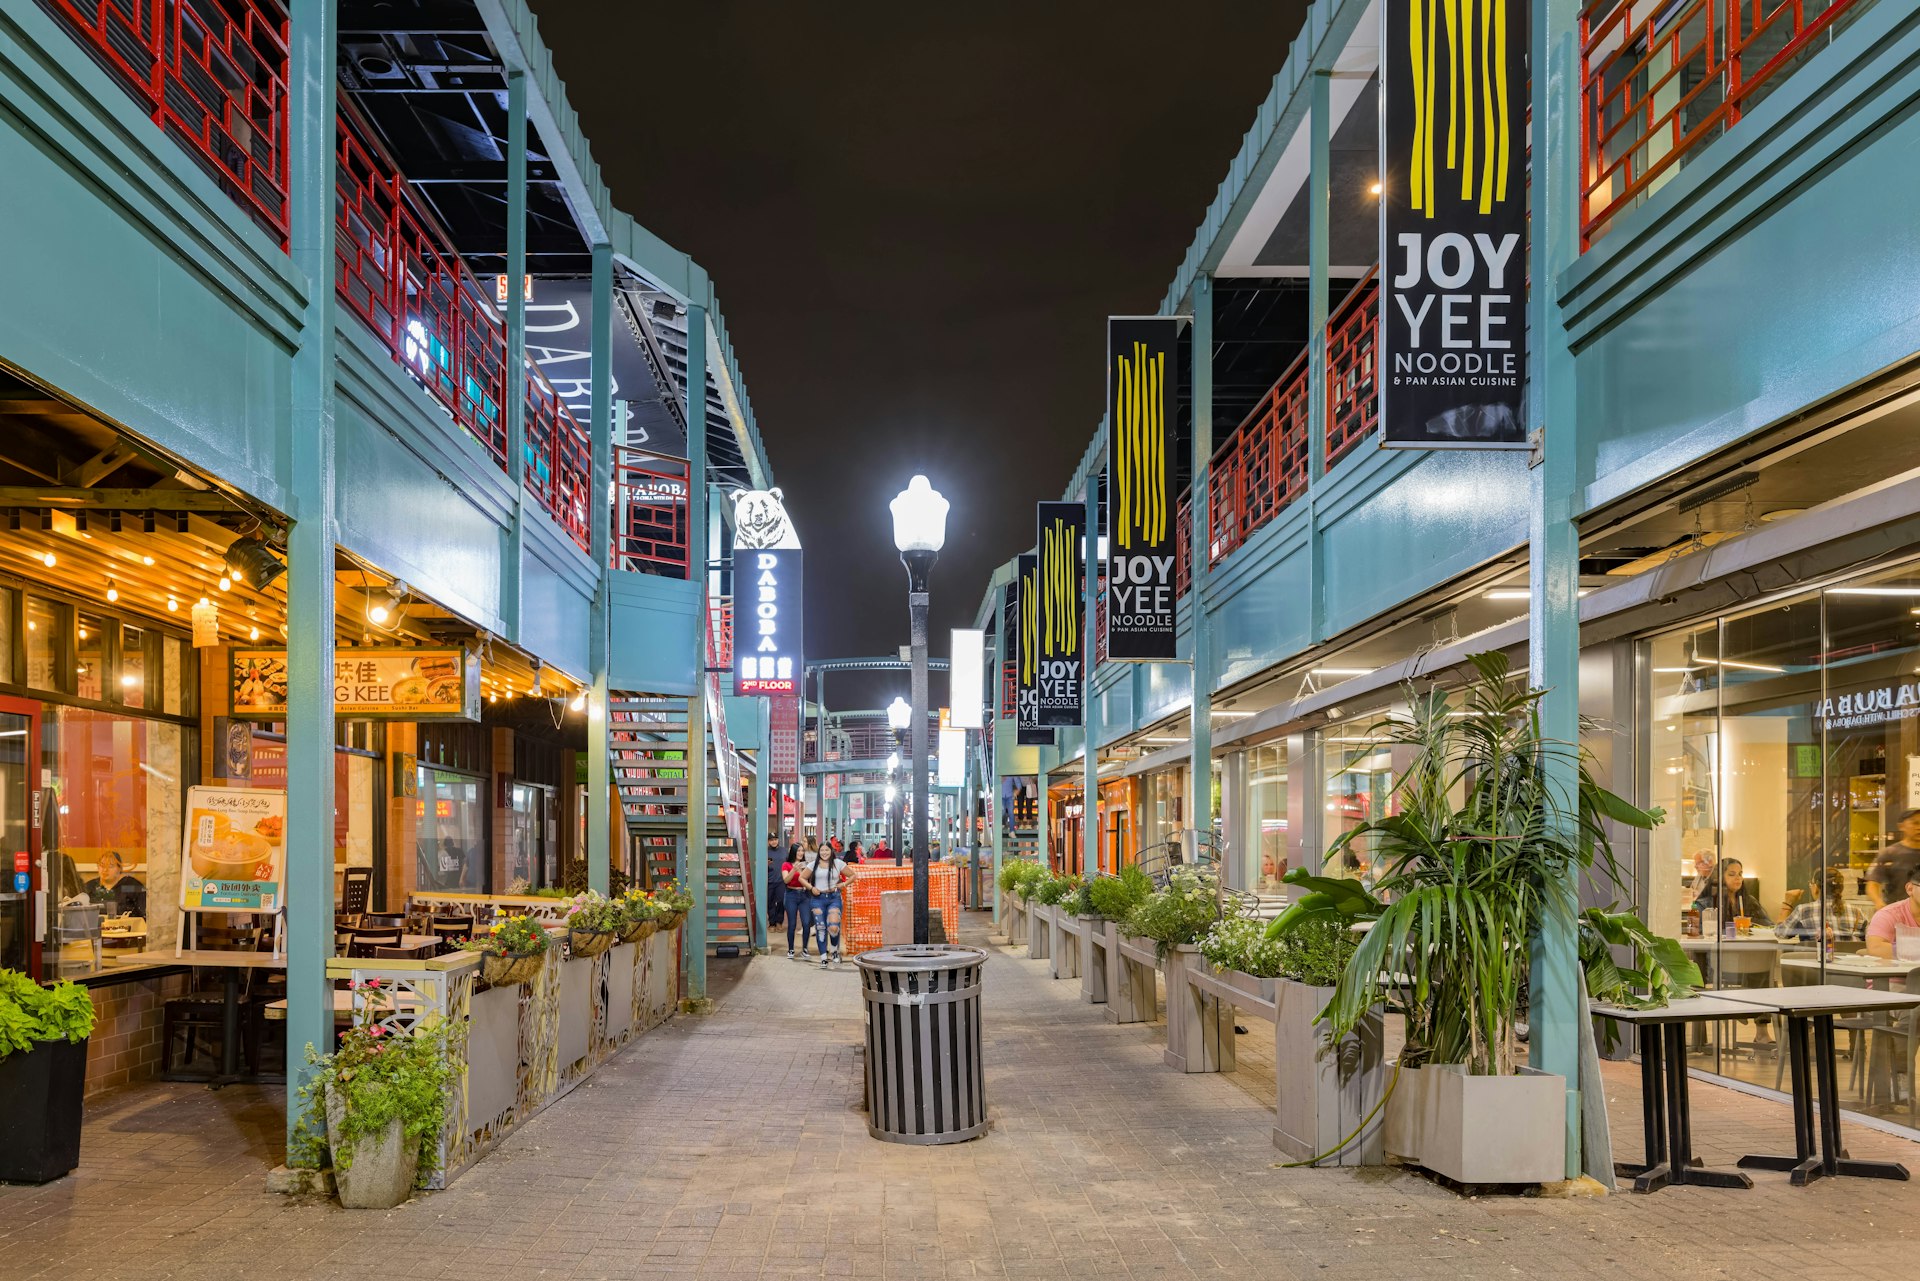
{"x":760,"y":520}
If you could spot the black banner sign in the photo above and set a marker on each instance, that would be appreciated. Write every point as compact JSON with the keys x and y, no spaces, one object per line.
{"x":1023,"y":646}
{"x":1143,"y":530}
{"x":1058,"y":664}
{"x":1452,"y":363}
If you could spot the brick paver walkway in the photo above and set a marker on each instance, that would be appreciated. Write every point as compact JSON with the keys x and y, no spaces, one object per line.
{"x":733,"y":1147}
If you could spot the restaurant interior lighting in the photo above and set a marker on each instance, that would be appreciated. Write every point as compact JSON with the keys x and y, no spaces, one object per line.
{"x":384,"y":606}
{"x":1343,"y":671}
{"x":113,"y":592}
{"x":49,"y":560}
{"x":252,"y":562}
{"x":1873,"y":591}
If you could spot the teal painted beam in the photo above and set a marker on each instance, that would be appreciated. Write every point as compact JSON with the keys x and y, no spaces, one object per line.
{"x":695,"y":876}
{"x":1554,"y":542}
{"x":1319,"y":211}
{"x":310,"y":550}
{"x":998,"y":826}
{"x":516,"y":391}
{"x":753,"y":861}
{"x":1090,"y":706}
{"x":1200,"y":559}
{"x":599,"y":754}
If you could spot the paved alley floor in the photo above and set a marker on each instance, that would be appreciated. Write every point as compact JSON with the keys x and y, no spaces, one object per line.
{"x":733,"y":1146}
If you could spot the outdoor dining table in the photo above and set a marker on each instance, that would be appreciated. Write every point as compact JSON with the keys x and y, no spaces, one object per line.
{"x":229,"y":964}
{"x":1809,"y":1012}
{"x":1665,"y":1108}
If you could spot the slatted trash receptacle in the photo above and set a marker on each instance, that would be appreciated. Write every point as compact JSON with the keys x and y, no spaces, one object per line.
{"x":925,"y":1079}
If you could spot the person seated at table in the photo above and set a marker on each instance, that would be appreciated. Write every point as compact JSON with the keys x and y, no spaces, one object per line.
{"x":1902,"y":913}
{"x":113,"y":884}
{"x":1843,"y":922}
{"x":1729,"y":894}
{"x":1887,"y":878}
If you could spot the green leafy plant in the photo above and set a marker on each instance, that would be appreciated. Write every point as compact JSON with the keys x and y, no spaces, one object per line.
{"x":1053,"y":888}
{"x":638,"y":907}
{"x":378,"y":1075}
{"x":1658,"y":972}
{"x":31,"y":1014}
{"x":511,"y":936}
{"x":1241,"y":943}
{"x":1494,"y":820}
{"x":1179,"y":914}
{"x":1023,"y":876}
{"x":1115,"y":897}
{"x":672,"y":898}
{"x":596,"y":915}
{"x":1078,"y":901}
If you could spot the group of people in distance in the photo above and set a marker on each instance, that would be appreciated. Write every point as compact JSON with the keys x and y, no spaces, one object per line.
{"x":804,"y":885}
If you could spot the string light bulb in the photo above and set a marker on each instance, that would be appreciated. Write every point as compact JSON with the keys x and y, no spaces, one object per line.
{"x":579,"y":703}
{"x":49,"y":560}
{"x":146,"y":560}
{"x":173,"y":606}
{"x":226,"y":583}
{"x":253,"y":633}
{"x":113,"y":592}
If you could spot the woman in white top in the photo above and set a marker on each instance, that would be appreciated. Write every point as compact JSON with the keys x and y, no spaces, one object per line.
{"x":823,"y":874}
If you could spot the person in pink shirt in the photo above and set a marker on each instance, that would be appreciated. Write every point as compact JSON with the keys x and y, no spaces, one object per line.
{"x":1901,"y":913}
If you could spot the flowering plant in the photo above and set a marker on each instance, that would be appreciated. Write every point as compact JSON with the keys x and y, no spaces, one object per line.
{"x":593,"y":914}
{"x":510,"y":936}
{"x":672,"y":898}
{"x":637,"y":906}
{"x":380,"y":1074}
{"x":1180,"y":913}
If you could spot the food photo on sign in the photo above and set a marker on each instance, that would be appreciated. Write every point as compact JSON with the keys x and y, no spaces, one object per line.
{"x":233,"y":852}
{"x":368,"y":681}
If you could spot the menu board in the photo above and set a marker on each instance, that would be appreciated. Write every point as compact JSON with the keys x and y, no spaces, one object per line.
{"x":233,"y":853}
{"x":401,"y":682}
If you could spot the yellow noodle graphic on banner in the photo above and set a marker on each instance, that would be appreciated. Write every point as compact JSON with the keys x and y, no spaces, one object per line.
{"x":1029,"y":626}
{"x":1059,"y":602}
{"x":1479,"y":143}
{"x":1139,"y":448}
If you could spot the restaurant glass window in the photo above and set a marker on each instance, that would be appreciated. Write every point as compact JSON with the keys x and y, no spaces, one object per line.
{"x":90,"y":658}
{"x":110,"y":833}
{"x":16,"y":836}
{"x":451,"y":845}
{"x":133,"y":666}
{"x":46,"y":644}
{"x":532,"y":861}
{"x":1263,"y":785}
{"x":1163,"y":799}
{"x":1360,"y":778}
{"x":178,"y":686}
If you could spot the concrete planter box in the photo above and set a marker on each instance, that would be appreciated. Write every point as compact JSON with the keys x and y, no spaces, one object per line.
{"x":1199,"y":1022}
{"x":1480,"y":1129}
{"x":1133,"y":981}
{"x":1063,"y":948}
{"x":1096,"y":938}
{"x":1039,"y":930}
{"x":1323,"y":1092}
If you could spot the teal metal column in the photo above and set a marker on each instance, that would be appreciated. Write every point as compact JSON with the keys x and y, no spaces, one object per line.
{"x":599,"y":765}
{"x":1090,"y":754}
{"x":1319,"y":162}
{"x":697,"y":852}
{"x":313,"y":80}
{"x":753,"y":862}
{"x":1046,"y":815}
{"x":1200,"y":561}
{"x":1553,"y":542}
{"x":516,"y":390}
{"x":999,"y":824}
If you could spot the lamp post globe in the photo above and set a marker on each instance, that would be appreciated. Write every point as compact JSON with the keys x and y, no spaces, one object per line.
{"x":919,"y":531}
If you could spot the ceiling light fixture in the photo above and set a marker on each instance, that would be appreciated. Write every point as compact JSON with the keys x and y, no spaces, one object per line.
{"x":49,"y":560}
{"x":1342,"y":671}
{"x":251,"y":561}
{"x":113,"y":592}
{"x":385,"y":607}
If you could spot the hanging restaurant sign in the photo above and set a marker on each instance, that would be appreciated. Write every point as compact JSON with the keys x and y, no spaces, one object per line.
{"x":1059,"y":661}
{"x":1023,"y":648}
{"x":1142,"y":532}
{"x":766,"y":621}
{"x":369,"y":683}
{"x":1452,"y":358}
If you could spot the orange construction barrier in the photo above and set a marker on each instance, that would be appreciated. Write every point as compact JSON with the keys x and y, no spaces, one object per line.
{"x":860,"y":911}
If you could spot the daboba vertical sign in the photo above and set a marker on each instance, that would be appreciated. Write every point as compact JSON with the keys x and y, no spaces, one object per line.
{"x":1142,"y":533}
{"x":767,"y":621}
{"x":1453,"y":220}
{"x":1059,"y":619}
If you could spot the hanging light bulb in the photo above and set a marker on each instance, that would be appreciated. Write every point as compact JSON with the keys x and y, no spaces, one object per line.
{"x":146,"y":560}
{"x":579,"y":703}
{"x":113,"y":592}
{"x":173,"y":606}
{"x":253,"y":633}
{"x":226,"y":584}
{"x":48,"y":560}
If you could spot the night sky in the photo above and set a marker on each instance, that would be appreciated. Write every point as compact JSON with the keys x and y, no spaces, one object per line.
{"x":917,"y":218}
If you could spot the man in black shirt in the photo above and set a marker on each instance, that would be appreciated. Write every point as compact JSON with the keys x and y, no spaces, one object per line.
{"x":1887,"y":878}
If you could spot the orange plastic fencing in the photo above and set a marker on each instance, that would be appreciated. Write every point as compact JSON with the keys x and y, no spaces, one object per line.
{"x":860,"y":914}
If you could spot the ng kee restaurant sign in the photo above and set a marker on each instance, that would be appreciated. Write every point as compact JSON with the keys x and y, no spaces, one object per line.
{"x":369,"y":683}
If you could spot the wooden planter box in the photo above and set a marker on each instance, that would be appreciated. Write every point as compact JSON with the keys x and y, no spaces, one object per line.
{"x":1096,"y":937}
{"x":1199,"y":1014}
{"x":1039,"y":930}
{"x":1063,"y":949}
{"x":1323,"y":1092}
{"x":1480,"y":1129}
{"x":1133,"y":978}
{"x":1013,"y":919}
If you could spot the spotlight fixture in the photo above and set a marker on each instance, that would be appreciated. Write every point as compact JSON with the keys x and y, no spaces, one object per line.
{"x":252,"y":562}
{"x":538,"y":671}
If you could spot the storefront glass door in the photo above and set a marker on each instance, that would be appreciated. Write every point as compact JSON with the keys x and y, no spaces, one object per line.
{"x":17,"y":842}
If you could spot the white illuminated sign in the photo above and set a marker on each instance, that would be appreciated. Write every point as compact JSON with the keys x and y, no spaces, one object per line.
{"x":965,"y":671}
{"x":953,"y":757}
{"x":767,"y":626}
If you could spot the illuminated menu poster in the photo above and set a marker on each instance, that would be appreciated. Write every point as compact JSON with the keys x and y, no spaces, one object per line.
{"x":370,"y":682}
{"x":1058,"y":661}
{"x":767,"y":621}
{"x":1452,"y":360}
{"x":232,"y":855}
{"x":1023,"y":649}
{"x":1142,"y":531}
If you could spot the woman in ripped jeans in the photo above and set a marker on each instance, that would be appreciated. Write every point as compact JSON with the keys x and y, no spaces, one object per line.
{"x":822,"y":875}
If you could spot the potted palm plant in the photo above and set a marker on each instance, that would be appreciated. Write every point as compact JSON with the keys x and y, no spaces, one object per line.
{"x":1470,"y":870}
{"x":43,"y":1076}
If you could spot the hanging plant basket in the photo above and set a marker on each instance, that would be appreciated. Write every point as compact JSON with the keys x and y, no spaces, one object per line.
{"x":508,"y":969}
{"x":639,"y":930}
{"x":588,"y":943}
{"x":672,"y":920}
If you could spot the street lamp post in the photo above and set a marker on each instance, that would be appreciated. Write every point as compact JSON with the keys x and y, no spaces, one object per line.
{"x":919,"y":531}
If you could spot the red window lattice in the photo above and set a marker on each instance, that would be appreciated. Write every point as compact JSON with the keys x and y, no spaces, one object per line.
{"x":1353,"y":402}
{"x":1183,"y":548}
{"x":650,"y":513}
{"x":1009,"y":689}
{"x":213,"y":75}
{"x":1663,"y":78}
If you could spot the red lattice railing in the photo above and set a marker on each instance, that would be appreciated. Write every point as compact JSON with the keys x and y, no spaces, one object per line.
{"x":649,"y":513}
{"x":720,"y":628}
{"x":1663,"y":78}
{"x":1009,"y":689}
{"x":1183,"y":549}
{"x":1353,"y":399}
{"x":213,"y":75}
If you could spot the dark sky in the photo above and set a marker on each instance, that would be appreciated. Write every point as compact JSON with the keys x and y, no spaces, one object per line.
{"x":917,"y":218}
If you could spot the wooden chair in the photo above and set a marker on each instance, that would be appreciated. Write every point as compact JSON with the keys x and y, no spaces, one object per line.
{"x":382,"y":920}
{"x":453,"y":930}
{"x":355,"y":888}
{"x":201,"y":1013}
{"x":363,"y":943}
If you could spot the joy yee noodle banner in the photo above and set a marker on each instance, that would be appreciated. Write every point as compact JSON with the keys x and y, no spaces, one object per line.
{"x":1142,"y":532}
{"x":1453,"y":218}
{"x":1023,"y":650}
{"x":1059,"y":619}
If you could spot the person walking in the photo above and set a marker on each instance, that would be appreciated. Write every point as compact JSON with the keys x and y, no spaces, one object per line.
{"x":823,"y":874}
{"x":776,"y":887}
{"x":795,"y":893}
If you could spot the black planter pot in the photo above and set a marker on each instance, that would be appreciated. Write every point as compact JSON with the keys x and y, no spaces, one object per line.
{"x":40,"y":1093}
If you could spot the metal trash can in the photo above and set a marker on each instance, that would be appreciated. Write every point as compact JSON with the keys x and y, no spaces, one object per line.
{"x":926,"y":1082}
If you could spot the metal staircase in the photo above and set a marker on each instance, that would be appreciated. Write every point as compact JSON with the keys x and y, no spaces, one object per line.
{"x":649,"y":753}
